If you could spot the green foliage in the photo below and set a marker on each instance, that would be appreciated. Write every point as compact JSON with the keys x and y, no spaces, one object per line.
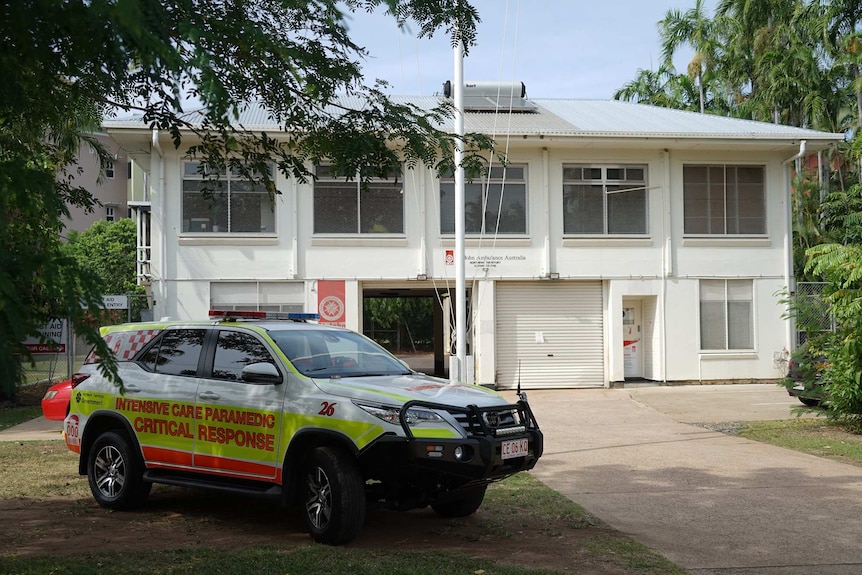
{"x":794,"y":62}
{"x":842,"y":215}
{"x":404,"y":320}
{"x":67,"y":64}
{"x":107,"y":250}
{"x":841,"y":266}
{"x":38,"y":281}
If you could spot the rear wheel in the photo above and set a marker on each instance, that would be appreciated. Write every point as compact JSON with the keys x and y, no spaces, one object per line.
{"x":465,"y":505}
{"x":115,"y":473}
{"x":333,"y":496}
{"x":809,"y":401}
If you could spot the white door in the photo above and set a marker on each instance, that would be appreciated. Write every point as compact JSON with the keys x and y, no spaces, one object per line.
{"x":632,"y":339}
{"x":549,"y":334}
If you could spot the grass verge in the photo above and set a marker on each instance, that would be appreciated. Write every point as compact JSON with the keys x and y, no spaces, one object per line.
{"x":814,"y":436}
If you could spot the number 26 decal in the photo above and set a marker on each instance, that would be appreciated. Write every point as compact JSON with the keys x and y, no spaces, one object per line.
{"x":327,"y":409}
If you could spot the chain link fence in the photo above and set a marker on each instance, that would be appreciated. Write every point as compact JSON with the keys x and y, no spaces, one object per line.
{"x":59,"y":366}
{"x":812,"y":312}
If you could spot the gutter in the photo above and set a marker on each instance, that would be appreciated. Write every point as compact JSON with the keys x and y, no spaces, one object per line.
{"x":789,"y":278}
{"x":799,"y":154}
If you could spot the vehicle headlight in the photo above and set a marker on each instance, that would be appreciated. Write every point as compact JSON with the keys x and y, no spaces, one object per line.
{"x":50,"y":394}
{"x":388,"y":414}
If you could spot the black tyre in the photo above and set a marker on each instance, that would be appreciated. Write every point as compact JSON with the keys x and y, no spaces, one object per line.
{"x":115,"y":472}
{"x":465,"y":505}
{"x":333,"y":495}
{"x":809,"y":401}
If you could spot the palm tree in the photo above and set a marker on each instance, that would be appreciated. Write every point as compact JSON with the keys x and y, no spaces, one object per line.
{"x":692,"y":28}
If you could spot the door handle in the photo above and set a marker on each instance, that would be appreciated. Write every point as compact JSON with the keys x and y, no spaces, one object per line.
{"x":133,"y":388}
{"x":209,"y":395}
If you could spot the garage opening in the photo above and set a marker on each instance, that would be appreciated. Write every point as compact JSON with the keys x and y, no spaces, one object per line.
{"x":404,"y":324}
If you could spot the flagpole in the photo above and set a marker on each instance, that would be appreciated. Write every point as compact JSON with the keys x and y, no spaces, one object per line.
{"x":460,"y":291}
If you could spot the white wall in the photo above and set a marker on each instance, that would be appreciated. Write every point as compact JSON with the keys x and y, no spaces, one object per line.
{"x":663,"y":266}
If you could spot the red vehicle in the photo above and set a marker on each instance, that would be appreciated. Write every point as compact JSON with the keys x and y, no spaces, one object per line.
{"x":55,"y":403}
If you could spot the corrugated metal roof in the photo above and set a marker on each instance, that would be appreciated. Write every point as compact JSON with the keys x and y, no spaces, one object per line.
{"x":568,"y":118}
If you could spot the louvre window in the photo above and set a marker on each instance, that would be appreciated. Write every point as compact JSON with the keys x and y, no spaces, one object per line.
{"x":724,"y":200}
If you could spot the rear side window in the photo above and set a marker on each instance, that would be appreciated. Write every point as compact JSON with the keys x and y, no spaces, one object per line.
{"x":125,"y":344}
{"x":234,"y":351}
{"x":177,"y":353}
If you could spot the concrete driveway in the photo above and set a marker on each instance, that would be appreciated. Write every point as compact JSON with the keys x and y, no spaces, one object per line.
{"x":711,"y":502}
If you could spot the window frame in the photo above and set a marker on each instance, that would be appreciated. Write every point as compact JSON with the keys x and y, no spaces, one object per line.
{"x":226,"y":179}
{"x":605,"y":181}
{"x":210,"y":371}
{"x":394,"y":183}
{"x":485,"y":181}
{"x":155,"y":345}
{"x":727,"y":315}
{"x":725,"y":218}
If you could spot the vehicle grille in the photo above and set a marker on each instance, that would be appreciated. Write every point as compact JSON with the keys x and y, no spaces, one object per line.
{"x":499,"y":422}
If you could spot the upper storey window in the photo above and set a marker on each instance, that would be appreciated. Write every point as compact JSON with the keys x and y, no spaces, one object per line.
{"x":495,"y":203}
{"x":604,"y":199}
{"x":724,"y":200}
{"x":343,"y":206}
{"x":236,"y":205}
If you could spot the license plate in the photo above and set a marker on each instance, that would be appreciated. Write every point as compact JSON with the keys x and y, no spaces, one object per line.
{"x":514,"y":448}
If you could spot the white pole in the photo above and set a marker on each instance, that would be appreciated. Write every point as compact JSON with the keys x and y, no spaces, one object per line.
{"x":460,"y":295}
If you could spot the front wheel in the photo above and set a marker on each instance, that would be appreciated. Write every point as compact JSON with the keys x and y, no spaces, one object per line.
{"x":333,"y":495}
{"x":115,"y":473}
{"x":467,"y":504}
{"x":809,"y":401}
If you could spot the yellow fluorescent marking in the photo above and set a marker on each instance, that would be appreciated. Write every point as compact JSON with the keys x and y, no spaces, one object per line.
{"x":435,"y":433}
{"x":362,"y":433}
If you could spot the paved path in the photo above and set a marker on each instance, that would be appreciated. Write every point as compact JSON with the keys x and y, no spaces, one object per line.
{"x":710,"y":502}
{"x":35,"y":429}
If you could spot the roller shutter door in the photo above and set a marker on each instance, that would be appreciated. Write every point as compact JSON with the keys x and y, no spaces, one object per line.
{"x":554,"y":330}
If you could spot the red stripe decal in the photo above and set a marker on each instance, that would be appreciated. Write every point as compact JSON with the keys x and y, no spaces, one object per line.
{"x":234,"y":465}
{"x":170,"y":456}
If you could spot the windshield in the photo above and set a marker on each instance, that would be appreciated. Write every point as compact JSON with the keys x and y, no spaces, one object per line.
{"x":321,"y":353}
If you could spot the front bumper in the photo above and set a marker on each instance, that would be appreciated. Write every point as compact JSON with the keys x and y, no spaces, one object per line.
{"x":492,"y":449}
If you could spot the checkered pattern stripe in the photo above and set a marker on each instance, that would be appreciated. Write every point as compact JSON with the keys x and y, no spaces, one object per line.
{"x":125,"y":344}
{"x":131,"y":342}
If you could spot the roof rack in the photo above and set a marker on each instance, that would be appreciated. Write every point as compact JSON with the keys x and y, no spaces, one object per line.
{"x":235,"y":315}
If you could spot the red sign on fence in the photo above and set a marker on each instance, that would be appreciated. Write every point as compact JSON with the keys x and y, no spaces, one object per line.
{"x":55,"y":332}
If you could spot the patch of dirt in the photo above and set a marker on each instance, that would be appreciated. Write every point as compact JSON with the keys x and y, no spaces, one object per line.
{"x":28,"y":395}
{"x":177,"y":518}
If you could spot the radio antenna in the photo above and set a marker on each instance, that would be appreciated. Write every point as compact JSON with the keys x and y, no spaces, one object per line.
{"x":523,"y":396}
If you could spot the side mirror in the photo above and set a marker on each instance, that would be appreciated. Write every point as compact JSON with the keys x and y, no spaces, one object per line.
{"x":261,"y":373}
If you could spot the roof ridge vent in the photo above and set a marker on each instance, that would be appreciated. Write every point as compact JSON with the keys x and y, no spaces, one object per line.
{"x":493,"y":96}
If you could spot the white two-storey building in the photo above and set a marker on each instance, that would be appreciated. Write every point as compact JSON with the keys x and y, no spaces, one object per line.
{"x":620,"y":241}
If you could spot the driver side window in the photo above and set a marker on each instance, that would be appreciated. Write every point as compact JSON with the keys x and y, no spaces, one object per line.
{"x":234,"y":351}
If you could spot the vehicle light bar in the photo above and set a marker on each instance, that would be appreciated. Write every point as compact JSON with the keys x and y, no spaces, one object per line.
{"x":228,"y":315}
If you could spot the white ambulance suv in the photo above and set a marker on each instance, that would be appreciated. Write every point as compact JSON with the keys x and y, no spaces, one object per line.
{"x":275,"y":405}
